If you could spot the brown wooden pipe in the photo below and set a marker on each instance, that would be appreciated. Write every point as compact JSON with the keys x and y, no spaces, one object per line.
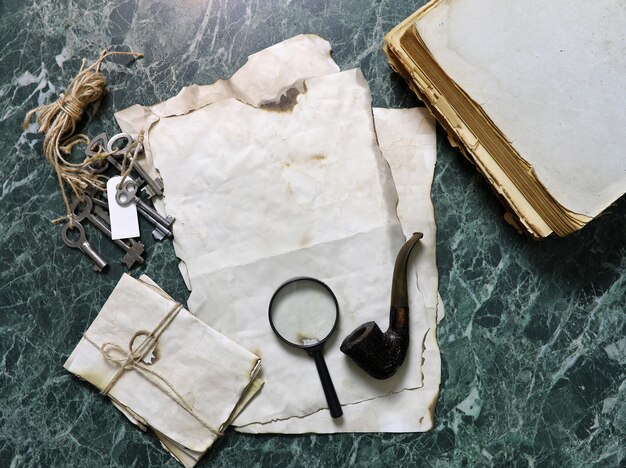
{"x":377,"y":353}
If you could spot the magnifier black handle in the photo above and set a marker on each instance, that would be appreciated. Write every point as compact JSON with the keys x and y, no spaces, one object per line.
{"x":327,"y":384}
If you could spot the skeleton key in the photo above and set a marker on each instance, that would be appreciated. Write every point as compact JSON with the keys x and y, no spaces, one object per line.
{"x":115,"y":150}
{"x":154,"y":187}
{"x":102,"y":204}
{"x":127,"y":194}
{"x":159,"y":232}
{"x":83,"y":245}
{"x":100,"y":208}
{"x":99,"y":144}
{"x":96,"y":145}
{"x":133,"y":249}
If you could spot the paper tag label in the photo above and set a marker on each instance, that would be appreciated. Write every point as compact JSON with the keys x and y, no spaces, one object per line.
{"x":124,"y":219}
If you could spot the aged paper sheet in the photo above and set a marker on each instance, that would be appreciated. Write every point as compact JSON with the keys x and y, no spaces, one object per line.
{"x":407,"y":141}
{"x":136,"y":118}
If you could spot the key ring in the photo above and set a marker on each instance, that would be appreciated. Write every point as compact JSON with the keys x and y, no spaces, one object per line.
{"x":73,"y":225}
{"x":127,"y":193}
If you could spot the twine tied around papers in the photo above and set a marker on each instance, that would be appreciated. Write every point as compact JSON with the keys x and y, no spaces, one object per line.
{"x":58,"y":121}
{"x":132,"y":359}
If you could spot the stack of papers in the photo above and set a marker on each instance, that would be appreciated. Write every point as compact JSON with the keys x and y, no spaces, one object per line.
{"x":186,"y":388}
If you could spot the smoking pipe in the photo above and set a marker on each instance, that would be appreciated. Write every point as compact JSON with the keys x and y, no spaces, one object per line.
{"x":377,"y":353}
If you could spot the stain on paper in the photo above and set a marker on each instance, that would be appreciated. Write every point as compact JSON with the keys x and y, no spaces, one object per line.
{"x":286,"y":103}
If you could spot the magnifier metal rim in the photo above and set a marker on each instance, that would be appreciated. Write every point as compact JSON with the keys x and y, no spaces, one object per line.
{"x":294,"y":280}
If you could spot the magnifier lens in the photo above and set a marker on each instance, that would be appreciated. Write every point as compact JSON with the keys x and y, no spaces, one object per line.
{"x":304,"y":312}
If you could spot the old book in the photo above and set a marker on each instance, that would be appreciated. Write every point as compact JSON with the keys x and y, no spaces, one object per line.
{"x":533,"y":93}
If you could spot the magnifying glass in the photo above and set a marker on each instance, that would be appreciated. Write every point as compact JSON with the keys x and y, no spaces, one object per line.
{"x":303,"y":313}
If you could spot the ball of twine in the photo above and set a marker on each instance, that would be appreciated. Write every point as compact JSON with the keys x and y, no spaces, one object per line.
{"x":58,"y":120}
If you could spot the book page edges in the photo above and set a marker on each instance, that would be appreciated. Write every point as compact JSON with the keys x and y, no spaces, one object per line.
{"x":523,"y":215}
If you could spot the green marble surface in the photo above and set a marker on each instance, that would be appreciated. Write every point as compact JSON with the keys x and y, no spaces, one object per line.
{"x":533,"y":344}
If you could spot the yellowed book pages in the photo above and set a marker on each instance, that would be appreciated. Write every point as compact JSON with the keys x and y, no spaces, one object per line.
{"x":493,"y":74}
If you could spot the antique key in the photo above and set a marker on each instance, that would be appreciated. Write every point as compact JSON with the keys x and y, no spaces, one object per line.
{"x":127,"y":194}
{"x":101,"y":142}
{"x":154,"y":187}
{"x":133,"y":249}
{"x":98,"y":144}
{"x":83,"y":245}
{"x":159,"y":232}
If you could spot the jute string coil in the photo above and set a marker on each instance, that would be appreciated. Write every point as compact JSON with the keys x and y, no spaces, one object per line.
{"x":58,"y":121}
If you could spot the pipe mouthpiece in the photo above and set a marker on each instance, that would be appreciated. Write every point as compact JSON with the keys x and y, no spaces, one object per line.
{"x":377,"y":353}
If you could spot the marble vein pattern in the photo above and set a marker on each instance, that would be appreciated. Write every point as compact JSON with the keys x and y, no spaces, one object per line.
{"x":533,"y":345}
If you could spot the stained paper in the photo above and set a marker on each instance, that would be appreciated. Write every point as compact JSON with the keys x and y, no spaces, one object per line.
{"x":407,"y":142}
{"x":282,"y":194}
{"x":293,"y":183}
{"x":267,"y":74}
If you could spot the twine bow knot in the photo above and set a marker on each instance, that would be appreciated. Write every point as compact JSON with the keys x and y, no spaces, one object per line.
{"x":132,"y":360}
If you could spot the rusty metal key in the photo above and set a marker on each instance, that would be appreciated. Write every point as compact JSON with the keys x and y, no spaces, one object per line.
{"x":83,"y":209}
{"x":133,"y":248}
{"x":82,"y":244}
{"x":154,"y":187}
{"x":127,"y":194}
